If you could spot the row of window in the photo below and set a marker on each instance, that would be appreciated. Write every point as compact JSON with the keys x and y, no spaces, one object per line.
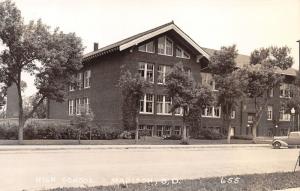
{"x":161,"y":130}
{"x":165,"y":46}
{"x":163,"y":107}
{"x":146,"y":71}
{"x":78,"y":106}
{"x":83,"y":80}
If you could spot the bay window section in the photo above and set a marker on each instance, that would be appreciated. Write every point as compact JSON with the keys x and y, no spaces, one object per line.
{"x":146,"y":104}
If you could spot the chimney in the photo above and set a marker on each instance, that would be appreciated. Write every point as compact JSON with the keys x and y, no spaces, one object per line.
{"x":96,"y":46}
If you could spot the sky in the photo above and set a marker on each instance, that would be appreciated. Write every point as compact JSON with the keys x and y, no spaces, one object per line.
{"x":250,"y":24}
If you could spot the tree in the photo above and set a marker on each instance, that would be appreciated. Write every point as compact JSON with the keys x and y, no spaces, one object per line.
{"x":186,"y":94}
{"x":32,"y":101}
{"x":82,"y":122}
{"x":52,"y":57}
{"x":132,"y":89}
{"x":262,"y":77}
{"x":230,"y":82}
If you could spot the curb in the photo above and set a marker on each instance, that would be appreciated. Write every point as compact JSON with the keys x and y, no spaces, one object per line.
{"x":122,"y":147}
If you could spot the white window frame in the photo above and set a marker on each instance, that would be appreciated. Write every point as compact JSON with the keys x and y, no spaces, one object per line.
{"x":78,"y":106}
{"x":165,"y":46}
{"x":145,"y":101}
{"x":164,"y":103}
{"x":283,"y":116}
{"x":271,"y":93}
{"x":213,"y":115}
{"x":146,"y":47}
{"x":182,"y":53}
{"x":87,"y":79}
{"x":270,"y":112}
{"x":233,"y":114}
{"x":146,"y":70}
{"x":71,"y":107}
{"x":163,"y":73}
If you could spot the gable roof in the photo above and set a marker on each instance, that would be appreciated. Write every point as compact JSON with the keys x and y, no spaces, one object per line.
{"x":138,"y":38}
{"x":243,"y":60}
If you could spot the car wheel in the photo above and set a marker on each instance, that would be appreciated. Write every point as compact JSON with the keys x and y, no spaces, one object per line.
{"x":276,"y":145}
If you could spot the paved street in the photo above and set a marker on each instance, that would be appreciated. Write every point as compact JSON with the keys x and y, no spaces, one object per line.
{"x":34,"y":170}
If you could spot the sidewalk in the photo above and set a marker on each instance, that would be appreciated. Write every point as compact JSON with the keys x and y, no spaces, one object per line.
{"x":104,"y":147}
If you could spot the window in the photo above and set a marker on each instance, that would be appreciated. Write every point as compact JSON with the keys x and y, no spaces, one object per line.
{"x":285,"y":90}
{"x":177,"y":130}
{"x":271,"y":92}
{"x":270,"y":113}
{"x":71,"y":107}
{"x":283,"y":116}
{"x":163,"y":105}
{"x":77,"y":107}
{"x":79,"y":80}
{"x":87,"y":79}
{"x":233,"y":115}
{"x":149,"y":47}
{"x":179,"y":111}
{"x":146,"y":71}
{"x":212,"y":112}
{"x":163,"y":130}
{"x":86,"y":105}
{"x":208,"y":80}
{"x":146,"y":104}
{"x":180,"y":53}
{"x":159,"y":131}
{"x":72,"y":85}
{"x":162,"y":71}
{"x":167,"y":130}
{"x":165,"y":46}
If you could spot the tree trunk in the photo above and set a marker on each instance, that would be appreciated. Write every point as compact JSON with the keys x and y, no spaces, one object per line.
{"x":136,"y":129}
{"x":254,"y":130}
{"x":229,"y":131}
{"x":184,"y":131}
{"x":79,"y":135}
{"x":21,"y":112}
{"x":184,"y":137}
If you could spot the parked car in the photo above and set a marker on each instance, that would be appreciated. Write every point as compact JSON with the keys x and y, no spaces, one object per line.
{"x":293,"y":139}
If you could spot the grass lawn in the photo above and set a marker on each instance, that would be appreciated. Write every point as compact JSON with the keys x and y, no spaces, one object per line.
{"x":252,"y":182}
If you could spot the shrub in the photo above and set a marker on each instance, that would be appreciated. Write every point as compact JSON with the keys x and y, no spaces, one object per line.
{"x":125,"y":135}
{"x":210,"y":134}
{"x":242,"y":137}
{"x":172,"y":137}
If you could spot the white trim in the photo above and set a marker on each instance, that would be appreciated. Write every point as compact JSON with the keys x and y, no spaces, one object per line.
{"x":160,"y":31}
